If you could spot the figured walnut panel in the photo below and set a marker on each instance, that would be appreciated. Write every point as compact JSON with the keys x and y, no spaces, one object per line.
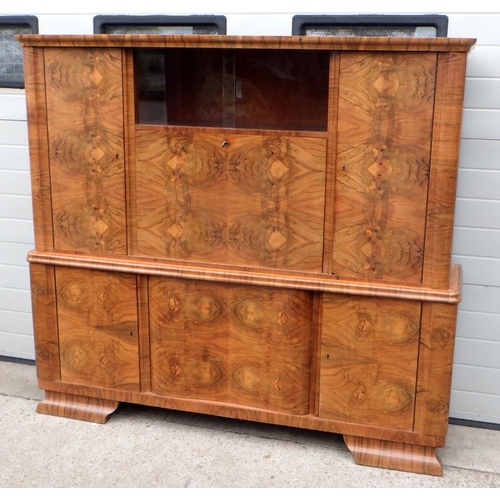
{"x":276,"y":201}
{"x":444,"y":167}
{"x":238,"y":199}
{"x":43,"y":300}
{"x":437,"y":343}
{"x":85,"y":123}
{"x":97,"y":320}
{"x":180,"y":195}
{"x":33,"y":62}
{"x":369,"y":357}
{"x":383,"y":155}
{"x":243,"y":345}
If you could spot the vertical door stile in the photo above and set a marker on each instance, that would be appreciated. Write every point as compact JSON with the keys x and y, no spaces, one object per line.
{"x":129,"y":151}
{"x":333,"y":118}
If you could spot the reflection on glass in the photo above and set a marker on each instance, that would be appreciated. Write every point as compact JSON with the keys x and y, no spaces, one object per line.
{"x":263,"y":89}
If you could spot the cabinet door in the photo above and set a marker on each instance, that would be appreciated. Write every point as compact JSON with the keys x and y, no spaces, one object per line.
{"x":386,"y":105}
{"x":97,"y":322}
{"x":86,"y":149}
{"x":250,"y":200}
{"x":234,"y":344}
{"x":369,"y":355}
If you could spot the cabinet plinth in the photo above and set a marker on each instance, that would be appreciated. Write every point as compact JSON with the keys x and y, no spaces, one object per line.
{"x":249,"y":230}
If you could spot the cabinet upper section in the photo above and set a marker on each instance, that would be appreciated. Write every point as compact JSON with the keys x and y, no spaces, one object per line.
{"x":324,"y":155}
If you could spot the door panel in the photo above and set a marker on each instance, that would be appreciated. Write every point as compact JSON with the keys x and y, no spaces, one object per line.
{"x":97,"y":321}
{"x":369,"y":355}
{"x":234,"y":344}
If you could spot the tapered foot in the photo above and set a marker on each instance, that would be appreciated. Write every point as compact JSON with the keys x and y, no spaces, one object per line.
{"x":77,"y":407}
{"x":397,"y":456}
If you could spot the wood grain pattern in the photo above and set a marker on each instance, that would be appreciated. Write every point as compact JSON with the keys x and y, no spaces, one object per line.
{"x":397,"y":456}
{"x":369,"y":358}
{"x":97,"y":321}
{"x":333,"y":115}
{"x":364,"y":43}
{"x":444,"y":168}
{"x":85,"y":121}
{"x":295,"y":278}
{"x":243,"y":345}
{"x":384,"y":138}
{"x":143,"y":329}
{"x":78,"y":407}
{"x":43,"y":300}
{"x":437,"y":344}
{"x":129,"y":113}
{"x":257,"y":201}
{"x":33,"y":62}
{"x":262,"y":415}
{"x":288,"y":279}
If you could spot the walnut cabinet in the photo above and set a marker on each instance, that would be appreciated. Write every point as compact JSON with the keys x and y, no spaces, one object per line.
{"x":251,"y":227}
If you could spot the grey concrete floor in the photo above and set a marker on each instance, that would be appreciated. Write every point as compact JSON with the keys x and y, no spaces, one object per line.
{"x":142,"y":447}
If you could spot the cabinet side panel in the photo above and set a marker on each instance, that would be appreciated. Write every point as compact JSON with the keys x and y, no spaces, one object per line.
{"x":383,"y":156}
{"x":86,"y":149}
{"x":97,"y":320}
{"x":242,"y":345}
{"x":39,"y":159}
{"x":435,"y":367}
{"x":43,"y":298}
{"x":369,"y":353}
{"x":444,"y":169}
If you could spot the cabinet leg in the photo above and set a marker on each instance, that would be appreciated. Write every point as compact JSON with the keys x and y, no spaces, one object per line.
{"x":397,"y":456}
{"x":78,"y":407}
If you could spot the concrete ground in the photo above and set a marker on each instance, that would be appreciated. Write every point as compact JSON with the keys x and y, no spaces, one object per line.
{"x":142,"y":447}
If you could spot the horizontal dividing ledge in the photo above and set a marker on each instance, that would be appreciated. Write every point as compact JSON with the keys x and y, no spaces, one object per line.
{"x":438,"y":44}
{"x":252,"y":276}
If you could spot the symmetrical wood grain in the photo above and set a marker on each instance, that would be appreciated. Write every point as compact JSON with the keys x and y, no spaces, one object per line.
{"x":252,"y":200}
{"x":369,"y":358}
{"x":97,"y":322}
{"x":243,"y":345}
{"x":85,"y":121}
{"x":383,"y":154}
{"x":291,"y":277}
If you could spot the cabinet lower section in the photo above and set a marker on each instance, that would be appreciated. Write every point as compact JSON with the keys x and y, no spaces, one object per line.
{"x":376,"y":369}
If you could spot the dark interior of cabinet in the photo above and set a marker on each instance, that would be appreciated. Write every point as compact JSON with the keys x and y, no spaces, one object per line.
{"x":246,"y":88}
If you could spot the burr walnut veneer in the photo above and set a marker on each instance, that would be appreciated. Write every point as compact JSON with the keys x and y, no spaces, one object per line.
{"x":252,"y":227}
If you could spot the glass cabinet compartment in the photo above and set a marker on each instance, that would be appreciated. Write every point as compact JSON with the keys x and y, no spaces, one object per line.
{"x":246,"y":88}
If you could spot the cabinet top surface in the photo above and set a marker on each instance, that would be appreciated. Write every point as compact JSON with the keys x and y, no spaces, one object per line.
{"x":439,"y":44}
